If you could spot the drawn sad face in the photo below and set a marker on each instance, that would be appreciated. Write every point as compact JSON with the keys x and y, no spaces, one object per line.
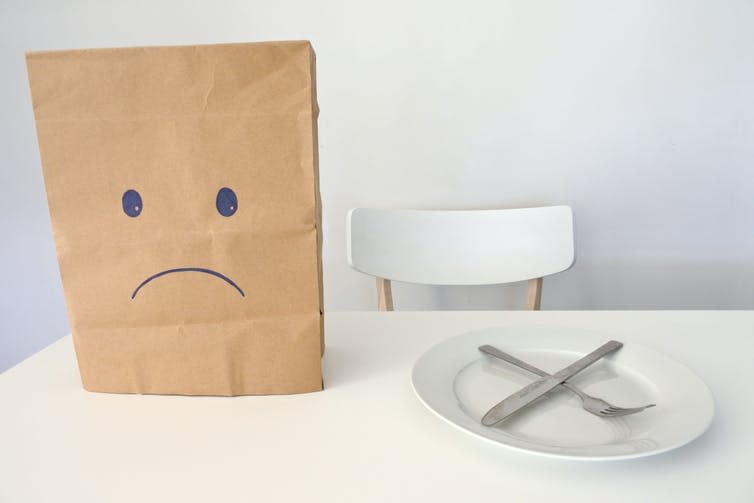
{"x":226,"y":203}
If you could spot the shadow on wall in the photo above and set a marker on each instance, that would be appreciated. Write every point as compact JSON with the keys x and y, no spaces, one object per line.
{"x":32,"y":310}
{"x":620,"y":286}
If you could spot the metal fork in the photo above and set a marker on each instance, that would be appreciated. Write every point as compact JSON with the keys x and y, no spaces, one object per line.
{"x":596,"y":406}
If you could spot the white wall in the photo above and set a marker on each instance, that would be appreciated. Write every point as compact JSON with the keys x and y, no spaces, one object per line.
{"x":640,"y":115}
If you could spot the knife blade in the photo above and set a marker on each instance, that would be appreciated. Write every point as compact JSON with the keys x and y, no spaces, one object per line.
{"x":531,"y":392}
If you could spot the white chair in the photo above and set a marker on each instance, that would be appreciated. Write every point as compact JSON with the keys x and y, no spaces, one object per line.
{"x":478,"y":247}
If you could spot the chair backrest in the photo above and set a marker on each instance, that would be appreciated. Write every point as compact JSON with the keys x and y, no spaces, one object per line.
{"x":465,"y":247}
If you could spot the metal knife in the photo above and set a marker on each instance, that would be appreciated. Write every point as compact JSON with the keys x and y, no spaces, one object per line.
{"x":531,"y":392}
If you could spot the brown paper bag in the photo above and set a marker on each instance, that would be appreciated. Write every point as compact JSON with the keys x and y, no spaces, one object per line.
{"x":183,"y":191}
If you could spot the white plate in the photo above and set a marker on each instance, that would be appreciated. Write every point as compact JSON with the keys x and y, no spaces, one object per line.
{"x":458,"y":383}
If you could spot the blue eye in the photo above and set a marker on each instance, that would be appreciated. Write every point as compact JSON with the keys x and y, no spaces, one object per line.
{"x":226,"y":202}
{"x":132,"y":203}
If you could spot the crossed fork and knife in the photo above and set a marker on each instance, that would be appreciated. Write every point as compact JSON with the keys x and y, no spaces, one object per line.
{"x":547,"y":383}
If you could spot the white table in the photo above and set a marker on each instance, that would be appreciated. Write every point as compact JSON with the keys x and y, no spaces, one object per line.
{"x":366,"y":437}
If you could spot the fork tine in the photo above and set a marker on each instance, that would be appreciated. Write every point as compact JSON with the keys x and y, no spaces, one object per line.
{"x":612,"y":413}
{"x":619,"y":411}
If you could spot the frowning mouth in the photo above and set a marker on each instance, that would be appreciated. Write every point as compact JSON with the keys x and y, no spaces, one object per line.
{"x":188,"y":269}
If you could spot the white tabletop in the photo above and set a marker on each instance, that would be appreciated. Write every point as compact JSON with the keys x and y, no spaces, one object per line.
{"x":366,"y":437}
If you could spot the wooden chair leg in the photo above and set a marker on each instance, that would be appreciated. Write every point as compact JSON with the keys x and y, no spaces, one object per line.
{"x":384,"y":295}
{"x":534,"y":294}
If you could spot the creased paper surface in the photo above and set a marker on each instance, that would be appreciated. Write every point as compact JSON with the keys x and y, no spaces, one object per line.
{"x":182,"y":184}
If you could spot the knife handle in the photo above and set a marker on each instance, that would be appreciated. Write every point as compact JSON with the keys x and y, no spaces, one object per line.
{"x":493,"y":351}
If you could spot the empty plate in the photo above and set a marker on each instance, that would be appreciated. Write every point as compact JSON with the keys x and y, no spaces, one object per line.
{"x":458,"y":383}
